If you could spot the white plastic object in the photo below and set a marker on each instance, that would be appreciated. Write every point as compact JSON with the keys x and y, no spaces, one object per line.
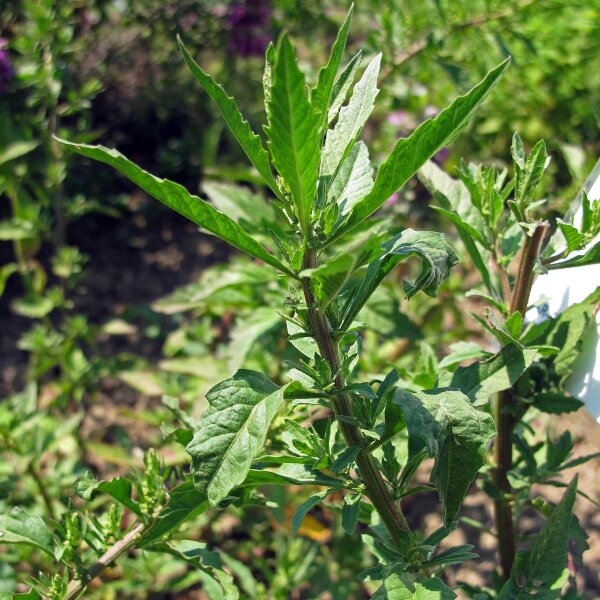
{"x":556,"y":290}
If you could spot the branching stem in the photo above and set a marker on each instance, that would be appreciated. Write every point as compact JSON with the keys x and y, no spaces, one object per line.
{"x":376,"y":488}
{"x":119,"y":548}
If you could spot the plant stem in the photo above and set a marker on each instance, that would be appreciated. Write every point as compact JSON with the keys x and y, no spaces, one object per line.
{"x":41,"y":484}
{"x":376,"y":488}
{"x":505,"y":421}
{"x":121,"y":547}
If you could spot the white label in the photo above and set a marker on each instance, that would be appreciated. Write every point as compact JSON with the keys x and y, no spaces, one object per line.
{"x":557,"y":290}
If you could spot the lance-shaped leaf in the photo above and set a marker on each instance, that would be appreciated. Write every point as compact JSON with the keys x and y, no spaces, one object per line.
{"x":352,"y":118}
{"x":248,"y":140}
{"x":353,"y":181}
{"x":175,"y":196}
{"x":437,"y":256}
{"x":232,"y":432}
{"x":329,"y":278}
{"x":528,"y":170}
{"x":589,"y":257}
{"x":294,"y":131}
{"x":410,"y":154}
{"x":454,"y":433}
{"x":541,"y":568}
{"x":321,"y":94}
{"x":342,"y":85}
{"x":480,"y":380}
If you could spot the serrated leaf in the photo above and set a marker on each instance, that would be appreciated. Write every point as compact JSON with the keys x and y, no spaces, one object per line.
{"x":342,"y":85}
{"x":481,"y":379}
{"x":568,"y":332}
{"x":404,"y":587}
{"x":538,"y":570}
{"x":248,"y":140}
{"x":528,"y":171}
{"x":321,"y":94}
{"x":19,"y":527}
{"x":455,"y":434}
{"x":294,"y":131}
{"x":354,"y":179}
{"x":232,"y":432}
{"x":411,"y":153}
{"x":180,"y":200}
{"x":573,"y":238}
{"x":437,"y":256}
{"x":351,"y":120}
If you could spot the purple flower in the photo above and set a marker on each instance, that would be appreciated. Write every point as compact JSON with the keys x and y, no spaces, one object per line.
{"x":442,"y":156}
{"x":392,"y":199}
{"x":396,"y":118}
{"x":7,"y":71}
{"x":249,"y":23}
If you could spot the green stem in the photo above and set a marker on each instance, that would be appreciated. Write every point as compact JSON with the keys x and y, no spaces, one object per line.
{"x":505,"y":421}
{"x":376,"y":488}
{"x":41,"y":485}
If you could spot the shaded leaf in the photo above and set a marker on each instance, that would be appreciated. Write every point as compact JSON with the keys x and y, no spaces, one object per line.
{"x":455,"y":434}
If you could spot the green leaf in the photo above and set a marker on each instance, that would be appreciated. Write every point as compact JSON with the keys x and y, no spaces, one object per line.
{"x":411,"y":153}
{"x":350,"y":512}
{"x":232,"y":432}
{"x":87,"y":487}
{"x":5,"y":272}
{"x":180,"y":200}
{"x":568,"y":332}
{"x":404,"y":587}
{"x":528,"y":171}
{"x":540,"y":568}
{"x":239,"y":203}
{"x":19,"y":527}
{"x":185,"y":503}
{"x":321,"y":94}
{"x":351,"y":120}
{"x":16,"y":150}
{"x":342,"y":85}
{"x":294,"y":131}
{"x":306,"y":506}
{"x":556,"y":403}
{"x":573,"y":238}
{"x":437,"y":256}
{"x":246,"y":332}
{"x":248,"y":140}
{"x":328,"y":279}
{"x":353,"y":181}
{"x":590,"y":257}
{"x":480,"y":380}
{"x":455,"y":434}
